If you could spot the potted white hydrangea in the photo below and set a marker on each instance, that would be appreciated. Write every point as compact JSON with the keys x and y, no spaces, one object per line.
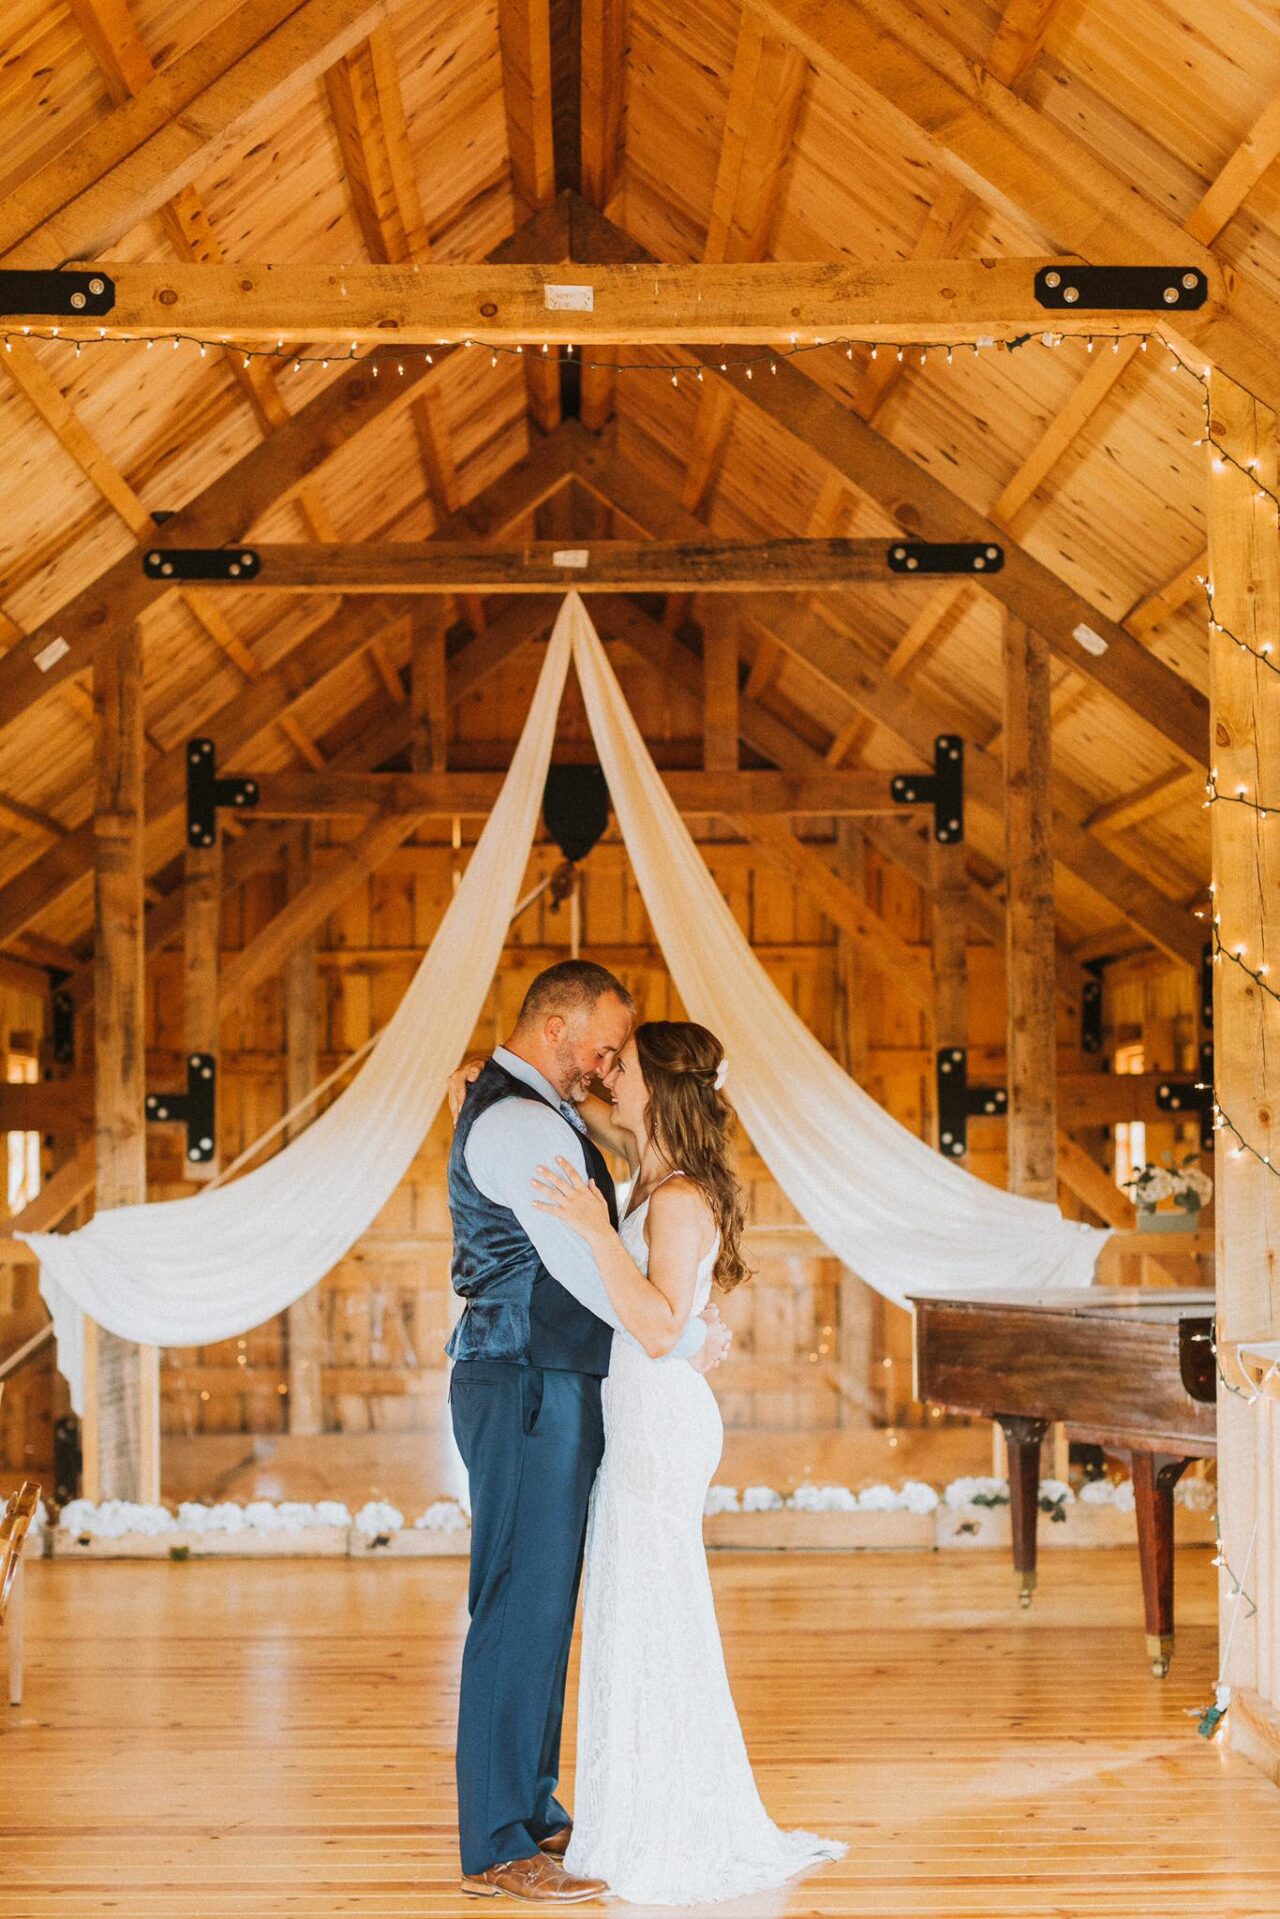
{"x":1185,"y":1185}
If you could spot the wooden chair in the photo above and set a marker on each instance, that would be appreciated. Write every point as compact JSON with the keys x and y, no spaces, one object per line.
{"x":17,"y":1517}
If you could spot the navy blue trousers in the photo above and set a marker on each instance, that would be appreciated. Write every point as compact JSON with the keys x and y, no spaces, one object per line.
{"x":531,"y":1439}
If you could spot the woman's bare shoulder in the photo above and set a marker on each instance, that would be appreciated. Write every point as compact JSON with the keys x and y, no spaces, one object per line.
{"x":679,"y":1202}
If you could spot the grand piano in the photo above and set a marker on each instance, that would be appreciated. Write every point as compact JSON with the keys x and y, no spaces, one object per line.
{"x":1127,"y":1369}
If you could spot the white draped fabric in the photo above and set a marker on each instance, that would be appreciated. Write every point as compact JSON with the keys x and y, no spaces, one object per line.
{"x":191,"y":1271}
{"x":902,"y":1217}
{"x":187,"y":1272}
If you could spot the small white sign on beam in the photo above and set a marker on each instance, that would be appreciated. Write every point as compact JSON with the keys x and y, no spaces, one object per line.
{"x":569,"y":299}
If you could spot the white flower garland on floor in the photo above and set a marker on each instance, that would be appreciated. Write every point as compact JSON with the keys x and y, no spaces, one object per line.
{"x":116,"y":1518}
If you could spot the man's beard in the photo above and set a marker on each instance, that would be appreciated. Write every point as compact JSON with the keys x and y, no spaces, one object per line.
{"x":574,"y":1084}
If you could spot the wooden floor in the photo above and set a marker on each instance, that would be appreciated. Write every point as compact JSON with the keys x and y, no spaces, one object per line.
{"x":262,"y":1741}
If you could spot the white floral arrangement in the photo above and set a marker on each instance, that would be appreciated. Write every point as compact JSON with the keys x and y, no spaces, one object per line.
{"x":1197,"y":1495}
{"x":1185,"y":1184}
{"x":444,"y":1516}
{"x":377,"y":1517}
{"x":977,"y":1491}
{"x":114,"y":1518}
{"x":761,"y":1499}
{"x":1108,"y":1492}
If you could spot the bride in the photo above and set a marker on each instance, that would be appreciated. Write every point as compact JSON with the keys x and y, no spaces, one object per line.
{"x":667,"y":1809}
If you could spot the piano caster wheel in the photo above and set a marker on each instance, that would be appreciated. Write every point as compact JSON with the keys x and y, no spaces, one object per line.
{"x":1160,"y":1651}
{"x":1026,"y":1583}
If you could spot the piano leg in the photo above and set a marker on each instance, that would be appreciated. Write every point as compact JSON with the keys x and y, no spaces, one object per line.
{"x":1023,"y":1437}
{"x":1154,"y":1477}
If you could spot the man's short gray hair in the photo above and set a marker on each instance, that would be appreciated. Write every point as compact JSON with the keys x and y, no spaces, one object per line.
{"x":568,"y":986}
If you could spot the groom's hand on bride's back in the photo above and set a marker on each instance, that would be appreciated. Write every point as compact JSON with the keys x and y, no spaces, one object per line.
{"x":714,"y":1349}
{"x":459,"y":1080}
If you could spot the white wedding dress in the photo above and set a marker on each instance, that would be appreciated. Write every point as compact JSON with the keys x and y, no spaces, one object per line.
{"x":666,"y":1807}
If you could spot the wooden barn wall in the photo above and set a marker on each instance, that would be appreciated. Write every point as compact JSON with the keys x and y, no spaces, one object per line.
{"x":805,"y":1329}
{"x":816,"y":1349}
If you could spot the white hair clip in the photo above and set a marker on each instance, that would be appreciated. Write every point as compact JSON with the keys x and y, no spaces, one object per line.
{"x":722,"y":1071}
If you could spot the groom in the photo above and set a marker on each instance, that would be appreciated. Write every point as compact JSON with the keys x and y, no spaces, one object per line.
{"x":529,"y":1354}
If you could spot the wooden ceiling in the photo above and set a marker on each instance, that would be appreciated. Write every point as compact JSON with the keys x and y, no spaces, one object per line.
{"x":873,"y":131}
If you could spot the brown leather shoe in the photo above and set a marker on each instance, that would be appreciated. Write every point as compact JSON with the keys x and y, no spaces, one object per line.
{"x":535,"y":1878}
{"x":556,"y":1844}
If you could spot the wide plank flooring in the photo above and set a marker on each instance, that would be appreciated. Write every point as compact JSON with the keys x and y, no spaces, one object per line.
{"x":259,"y":1741}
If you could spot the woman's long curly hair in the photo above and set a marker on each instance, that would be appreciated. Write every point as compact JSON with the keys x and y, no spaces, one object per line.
{"x":694,"y":1124}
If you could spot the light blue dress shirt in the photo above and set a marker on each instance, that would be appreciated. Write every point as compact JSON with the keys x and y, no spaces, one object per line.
{"x":504,"y":1149}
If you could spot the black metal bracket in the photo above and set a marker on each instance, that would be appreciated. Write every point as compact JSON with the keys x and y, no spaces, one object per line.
{"x":958,"y":1102}
{"x":196,"y":1108}
{"x":206,"y":793}
{"x":55,"y":293}
{"x":1121,"y":289}
{"x":944,"y":788}
{"x":1091,"y":1014}
{"x":1192,"y":1096}
{"x":201,"y":563}
{"x":940,"y":556}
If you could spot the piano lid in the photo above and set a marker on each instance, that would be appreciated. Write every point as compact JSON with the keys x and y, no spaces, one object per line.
{"x":1129,"y":1302}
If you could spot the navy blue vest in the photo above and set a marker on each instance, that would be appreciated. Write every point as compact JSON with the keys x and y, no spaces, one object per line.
{"x":515,"y":1310}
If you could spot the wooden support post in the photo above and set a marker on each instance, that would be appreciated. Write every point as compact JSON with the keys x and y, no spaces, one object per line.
{"x":122,"y":1381}
{"x":949,"y":889}
{"x":301,"y":1038}
{"x":857,"y":1303}
{"x":201,"y":931}
{"x":1030,"y":950}
{"x":852,"y":1034}
{"x":720,"y":722}
{"x":428,"y":690}
{"x":1244,"y":755}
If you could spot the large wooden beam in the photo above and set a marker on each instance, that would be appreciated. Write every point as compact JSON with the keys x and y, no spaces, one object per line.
{"x":121,"y":1438}
{"x":429,"y":691}
{"x":1244,"y":558}
{"x":201,"y":939}
{"x":721,"y":724}
{"x":884,"y":951}
{"x":367,"y":109}
{"x":204,"y":105}
{"x":925,"y":508}
{"x":273,"y":696}
{"x":917,"y":722}
{"x":605,"y":25}
{"x":1028,"y":165}
{"x":232,"y":727}
{"x":762,"y":304}
{"x":863,"y":680}
{"x":524,"y":35}
{"x":305,"y":1318}
{"x":221,"y":515}
{"x":307,"y":795}
{"x":595,"y":566}
{"x":267,"y":952}
{"x":1029,"y":949}
{"x":127,"y":67}
{"x":949,"y":930}
{"x":765,"y":91}
{"x":525,"y":622}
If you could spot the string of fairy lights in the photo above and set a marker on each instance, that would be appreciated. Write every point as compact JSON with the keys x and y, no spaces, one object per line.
{"x":745,"y":365}
{"x":744,"y":362}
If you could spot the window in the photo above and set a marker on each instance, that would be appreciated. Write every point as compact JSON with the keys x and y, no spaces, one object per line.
{"x":1130,"y":1134}
{"x":24,"y":1148}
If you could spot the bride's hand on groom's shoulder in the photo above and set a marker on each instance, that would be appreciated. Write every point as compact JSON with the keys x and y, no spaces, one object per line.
{"x":578,"y":1202}
{"x":714,"y":1349}
{"x":459,"y":1080}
